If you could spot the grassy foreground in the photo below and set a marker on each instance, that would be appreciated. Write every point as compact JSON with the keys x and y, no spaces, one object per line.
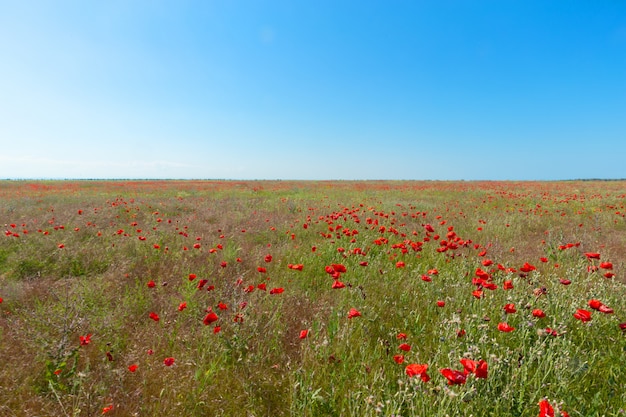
{"x":312,"y":299}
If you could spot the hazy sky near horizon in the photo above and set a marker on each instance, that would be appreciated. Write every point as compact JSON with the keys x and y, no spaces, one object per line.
{"x":500,"y":90}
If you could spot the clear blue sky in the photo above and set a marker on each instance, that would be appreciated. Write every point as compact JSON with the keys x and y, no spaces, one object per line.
{"x":523,"y":90}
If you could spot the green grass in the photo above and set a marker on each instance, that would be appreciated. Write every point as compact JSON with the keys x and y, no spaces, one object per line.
{"x":257,"y":365}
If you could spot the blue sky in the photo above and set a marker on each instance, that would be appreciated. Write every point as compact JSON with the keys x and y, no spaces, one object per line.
{"x":500,"y":90}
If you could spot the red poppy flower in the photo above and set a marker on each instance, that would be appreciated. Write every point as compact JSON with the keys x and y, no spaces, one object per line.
{"x":477,"y":293}
{"x":401,"y":336}
{"x":478,"y":368}
{"x":508,"y":285}
{"x":453,"y":377}
{"x":154,"y":316}
{"x":262,"y":286}
{"x":400,"y":264}
{"x":405,"y":347}
{"x":222,"y":306}
{"x":304,"y":334}
{"x":441,"y":303}
{"x":592,"y":255}
{"x":565,"y":281}
{"x":609,"y":275}
{"x":277,"y":290}
{"x":151,"y":284}
{"x":169,"y":361}
{"x":527,"y":267}
{"x":416,"y":369}
{"x":595,"y":304}
{"x":133,"y":367}
{"x":399,"y":359}
{"x":606,"y":265}
{"x":107,"y":409}
{"x":481,"y":369}
{"x":469,"y":365}
{"x":551,"y":332}
{"x":545,"y":409}
{"x":622,"y":326}
{"x":182,"y":306}
{"x":339,"y":268}
{"x":85,"y":340}
{"x":192,"y":277}
{"x":504,"y":327}
{"x":338,"y":284}
{"x":605,"y":309}
{"x":538,"y":313}
{"x":261,"y":270}
{"x":211,"y":317}
{"x":509,"y":308}
{"x":582,"y":315}
{"x":353,"y":313}
{"x":268,"y":258}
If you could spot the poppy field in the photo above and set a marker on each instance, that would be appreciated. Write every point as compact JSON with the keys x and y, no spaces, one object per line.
{"x":337,"y":298}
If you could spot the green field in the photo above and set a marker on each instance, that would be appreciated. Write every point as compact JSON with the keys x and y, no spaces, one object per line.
{"x":258,"y":298}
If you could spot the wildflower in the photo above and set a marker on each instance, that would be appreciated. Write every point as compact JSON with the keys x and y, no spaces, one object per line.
{"x":169,"y":361}
{"x":107,"y":409}
{"x":481,"y":369}
{"x":441,"y":303}
{"x":592,"y":255}
{"x":416,"y":369}
{"x":353,"y":313}
{"x":85,"y":340}
{"x":527,"y":267}
{"x":545,"y":409}
{"x":453,"y":377}
{"x":338,"y":284}
{"x":509,"y":308}
{"x":151,"y":284}
{"x":405,"y":347}
{"x":304,"y":333}
{"x":211,"y":317}
{"x":277,"y":290}
{"x":508,"y":285}
{"x":133,"y":367}
{"x":582,"y":315}
{"x":182,"y":306}
{"x":538,"y":313}
{"x":154,"y":316}
{"x":504,"y":327}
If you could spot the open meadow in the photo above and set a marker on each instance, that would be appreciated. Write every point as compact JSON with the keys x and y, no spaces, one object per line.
{"x":284,"y":298}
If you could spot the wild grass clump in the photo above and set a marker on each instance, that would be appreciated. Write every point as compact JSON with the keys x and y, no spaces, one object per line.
{"x":312,"y":299}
